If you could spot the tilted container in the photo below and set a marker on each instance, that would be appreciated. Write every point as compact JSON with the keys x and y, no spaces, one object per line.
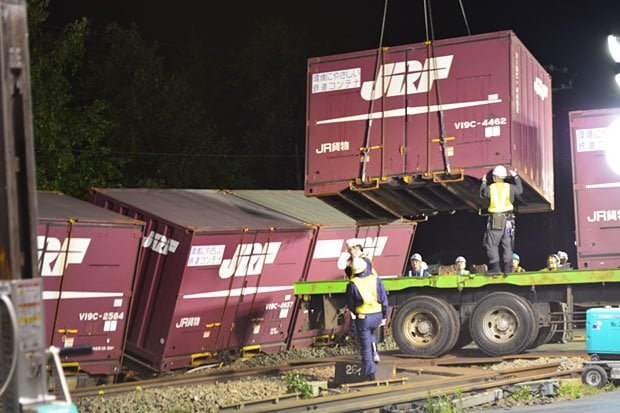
{"x":386,"y":245}
{"x":216,"y":274}
{"x":408,"y":131}
{"x":87,"y":259}
{"x":595,"y":148}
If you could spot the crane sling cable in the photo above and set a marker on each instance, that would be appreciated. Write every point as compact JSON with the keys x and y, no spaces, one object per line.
{"x":430,"y":40}
{"x":366,"y":148}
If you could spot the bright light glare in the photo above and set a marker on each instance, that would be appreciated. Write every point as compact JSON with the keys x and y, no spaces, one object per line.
{"x":617,"y":77}
{"x":612,"y":146}
{"x":613,"y":44}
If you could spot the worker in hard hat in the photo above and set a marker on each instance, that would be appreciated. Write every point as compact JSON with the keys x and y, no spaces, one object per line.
{"x":500,"y":230}
{"x":553,"y":263}
{"x":367,"y":299}
{"x":417,"y":267}
{"x":516,"y":260}
{"x":564,"y":264}
{"x":461,"y":265}
{"x":355,"y":250}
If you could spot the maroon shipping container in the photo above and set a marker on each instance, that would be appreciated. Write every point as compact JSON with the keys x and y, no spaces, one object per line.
{"x":387,"y":245}
{"x":87,"y":259}
{"x":375,"y":119}
{"x":595,"y":148}
{"x":216,"y":274}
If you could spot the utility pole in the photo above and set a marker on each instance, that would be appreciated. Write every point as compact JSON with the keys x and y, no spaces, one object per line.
{"x":23,"y":355}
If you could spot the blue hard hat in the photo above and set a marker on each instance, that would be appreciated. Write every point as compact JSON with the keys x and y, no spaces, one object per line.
{"x":515,"y":256}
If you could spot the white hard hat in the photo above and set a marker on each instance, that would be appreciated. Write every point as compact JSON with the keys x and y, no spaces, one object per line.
{"x":416,"y":257}
{"x":354,"y":242}
{"x":562,"y":255}
{"x":500,"y":171}
{"x":460,"y":258}
{"x":358,"y":265}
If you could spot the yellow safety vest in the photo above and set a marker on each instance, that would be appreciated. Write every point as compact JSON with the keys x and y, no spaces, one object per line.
{"x":367,"y":286}
{"x":500,"y":198}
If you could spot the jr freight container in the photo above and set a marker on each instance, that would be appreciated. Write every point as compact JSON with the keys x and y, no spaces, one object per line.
{"x":387,"y":245}
{"x":595,"y":146}
{"x":408,"y":131}
{"x":87,"y":259}
{"x":216,"y":274}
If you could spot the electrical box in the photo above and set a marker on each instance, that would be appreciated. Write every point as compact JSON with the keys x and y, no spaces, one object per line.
{"x":603,"y":331}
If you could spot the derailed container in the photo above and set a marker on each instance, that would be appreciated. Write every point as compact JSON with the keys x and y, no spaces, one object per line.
{"x":216,"y":274}
{"x":603,"y":331}
{"x":386,"y":245}
{"x":595,"y":149}
{"x":87,"y":259}
{"x":376,"y":121}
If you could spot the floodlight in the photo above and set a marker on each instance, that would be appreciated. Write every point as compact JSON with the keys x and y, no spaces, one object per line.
{"x":613,"y":44}
{"x":612,"y":146}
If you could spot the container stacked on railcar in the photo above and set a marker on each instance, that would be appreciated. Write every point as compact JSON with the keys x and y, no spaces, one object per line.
{"x":87,"y":259}
{"x":376,"y":119}
{"x":217,"y":271}
{"x":386,"y":245}
{"x":595,"y":146}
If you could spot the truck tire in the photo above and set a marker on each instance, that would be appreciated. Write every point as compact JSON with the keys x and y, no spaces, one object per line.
{"x":594,"y":376}
{"x":503,"y":323}
{"x":545,"y":333}
{"x":463,"y":339}
{"x":425,"y":326}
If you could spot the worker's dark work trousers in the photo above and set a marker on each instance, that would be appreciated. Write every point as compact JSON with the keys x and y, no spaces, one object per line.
{"x":494,"y":239}
{"x":365,"y":328}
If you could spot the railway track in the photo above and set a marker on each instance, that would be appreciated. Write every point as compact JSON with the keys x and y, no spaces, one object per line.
{"x":416,"y":379}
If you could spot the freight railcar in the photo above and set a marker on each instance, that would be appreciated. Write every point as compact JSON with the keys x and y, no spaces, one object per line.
{"x":506,"y":314}
{"x":87,"y":258}
{"x":217,"y":269}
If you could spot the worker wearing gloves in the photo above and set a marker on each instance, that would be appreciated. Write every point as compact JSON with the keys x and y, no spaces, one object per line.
{"x":367,"y":299}
{"x":500,"y":228}
{"x":355,"y":249}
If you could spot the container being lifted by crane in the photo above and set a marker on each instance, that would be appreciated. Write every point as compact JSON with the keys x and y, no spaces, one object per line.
{"x":483,"y":79}
{"x":407,"y":131}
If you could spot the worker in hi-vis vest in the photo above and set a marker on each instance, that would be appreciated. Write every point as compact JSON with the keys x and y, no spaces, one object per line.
{"x":500,"y":231}
{"x":355,"y":249}
{"x":367,"y":299}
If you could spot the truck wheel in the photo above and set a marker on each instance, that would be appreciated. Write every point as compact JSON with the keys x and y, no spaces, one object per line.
{"x":503,"y":323}
{"x":425,"y":326}
{"x":594,"y":376}
{"x":463,"y":339}
{"x":545,"y":333}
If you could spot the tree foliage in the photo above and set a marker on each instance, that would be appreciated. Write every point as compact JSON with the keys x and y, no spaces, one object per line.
{"x":109,"y":111}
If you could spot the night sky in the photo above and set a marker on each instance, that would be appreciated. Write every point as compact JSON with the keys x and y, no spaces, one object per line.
{"x":567,"y":37}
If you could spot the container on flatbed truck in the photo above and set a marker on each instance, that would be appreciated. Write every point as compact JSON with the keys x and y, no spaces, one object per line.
{"x":87,"y":259}
{"x":595,"y":146}
{"x":408,"y":131}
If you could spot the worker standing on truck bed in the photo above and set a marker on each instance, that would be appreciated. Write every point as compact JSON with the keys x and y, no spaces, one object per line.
{"x":367,"y":299}
{"x":501,"y":222}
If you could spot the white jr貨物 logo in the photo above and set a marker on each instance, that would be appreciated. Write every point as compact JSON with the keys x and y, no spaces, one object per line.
{"x":249,"y":259}
{"x":397,"y":79}
{"x":55,"y":256}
